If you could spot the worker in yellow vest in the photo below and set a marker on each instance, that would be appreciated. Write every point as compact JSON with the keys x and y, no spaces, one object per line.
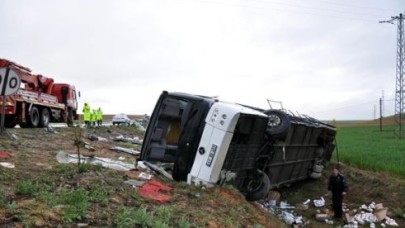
{"x":86,"y":115}
{"x":99,"y":117}
{"x":93,"y":117}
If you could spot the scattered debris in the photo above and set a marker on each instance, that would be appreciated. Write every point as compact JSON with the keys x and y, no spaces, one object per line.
{"x":151,"y":190}
{"x":372,"y":213}
{"x":158,"y":170}
{"x":145,"y":176}
{"x":121,"y":158}
{"x":14,"y":137}
{"x":97,"y":138}
{"x":319,"y":202}
{"x":303,"y":206}
{"x":391,"y":222}
{"x":285,"y":205}
{"x":50,"y":130}
{"x":141,"y":165}
{"x":125,"y":150}
{"x":287,"y":217}
{"x":133,"y":174}
{"x":5,"y":154}
{"x":273,"y":195}
{"x":322,"y":217}
{"x":281,"y":212}
{"x":380,"y":211}
{"x":7,"y":165}
{"x":88,"y":146}
{"x":63,"y":157}
{"x":139,"y":126}
{"x":134,"y":140}
{"x":135,"y":183}
{"x":45,"y":166}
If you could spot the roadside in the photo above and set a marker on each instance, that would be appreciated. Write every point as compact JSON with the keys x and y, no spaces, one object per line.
{"x":39,"y":191}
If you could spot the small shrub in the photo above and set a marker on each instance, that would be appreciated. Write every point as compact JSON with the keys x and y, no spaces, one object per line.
{"x":159,"y":224}
{"x":84,"y":167}
{"x":399,"y":213}
{"x":257,"y":226}
{"x":7,"y":174}
{"x":12,"y":207}
{"x":47,"y":196}
{"x":125,"y":217}
{"x":77,"y":204}
{"x":3,"y":197}
{"x":165,"y":213}
{"x":63,"y":168}
{"x":142,"y":217}
{"x":135,"y":195}
{"x":25,"y":188}
{"x":184,"y":223}
{"x":97,"y":167}
{"x":99,"y":194}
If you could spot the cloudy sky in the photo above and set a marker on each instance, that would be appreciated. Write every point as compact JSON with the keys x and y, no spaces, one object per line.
{"x":330,"y":59}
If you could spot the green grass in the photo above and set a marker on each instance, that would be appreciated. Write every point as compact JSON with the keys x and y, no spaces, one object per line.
{"x":367,"y":147}
{"x":99,"y":194}
{"x":7,"y":174}
{"x":77,"y":204}
{"x":25,"y":188}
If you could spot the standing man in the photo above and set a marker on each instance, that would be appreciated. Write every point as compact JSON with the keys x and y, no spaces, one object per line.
{"x":99,"y":117}
{"x":338,"y":187}
{"x":93,"y":118}
{"x":86,"y":115}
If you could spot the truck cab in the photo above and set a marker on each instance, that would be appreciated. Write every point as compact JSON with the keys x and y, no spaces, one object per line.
{"x":207,"y":142}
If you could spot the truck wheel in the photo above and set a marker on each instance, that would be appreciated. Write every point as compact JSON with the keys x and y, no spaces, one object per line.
{"x":45,"y":118}
{"x":258,"y":186}
{"x":278,"y":124}
{"x":33,"y":117}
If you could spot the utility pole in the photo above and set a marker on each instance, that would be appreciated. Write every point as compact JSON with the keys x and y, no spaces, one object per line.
{"x":399,"y":87}
{"x":381,"y":115}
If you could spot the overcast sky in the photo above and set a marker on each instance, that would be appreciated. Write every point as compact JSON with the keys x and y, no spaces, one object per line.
{"x":330,"y":59}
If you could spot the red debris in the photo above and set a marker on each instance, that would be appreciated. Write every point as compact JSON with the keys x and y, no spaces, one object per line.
{"x":4,"y":154}
{"x":151,"y":190}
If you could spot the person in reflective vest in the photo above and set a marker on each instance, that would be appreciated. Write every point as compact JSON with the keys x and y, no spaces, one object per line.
{"x":99,"y":117}
{"x":86,"y":115}
{"x":93,"y":117}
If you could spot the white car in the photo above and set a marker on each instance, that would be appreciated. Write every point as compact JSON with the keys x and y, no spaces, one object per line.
{"x":121,"y":119}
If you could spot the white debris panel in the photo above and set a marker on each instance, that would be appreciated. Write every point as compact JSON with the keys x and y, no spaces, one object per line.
{"x":63,"y":157}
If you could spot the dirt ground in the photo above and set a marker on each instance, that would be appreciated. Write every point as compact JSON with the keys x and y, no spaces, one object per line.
{"x":33,"y":152}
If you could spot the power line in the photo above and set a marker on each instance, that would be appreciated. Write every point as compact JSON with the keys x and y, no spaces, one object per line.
{"x":400,"y":81}
{"x":344,"y":107}
{"x":357,"y":6}
{"x":295,"y":12}
{"x":317,"y":8}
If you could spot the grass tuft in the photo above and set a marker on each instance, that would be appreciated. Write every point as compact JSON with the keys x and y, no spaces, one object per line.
{"x":25,"y":188}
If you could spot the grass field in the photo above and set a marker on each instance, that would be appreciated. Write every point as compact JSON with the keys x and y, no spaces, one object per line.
{"x":367,"y":147}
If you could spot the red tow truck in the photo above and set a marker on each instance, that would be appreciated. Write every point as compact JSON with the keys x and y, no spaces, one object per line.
{"x":39,"y":101}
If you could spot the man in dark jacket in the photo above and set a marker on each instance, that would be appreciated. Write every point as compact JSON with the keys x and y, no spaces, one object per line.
{"x":338,"y":187}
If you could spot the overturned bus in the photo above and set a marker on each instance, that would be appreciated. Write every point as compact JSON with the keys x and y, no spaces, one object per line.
{"x":207,"y":142}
